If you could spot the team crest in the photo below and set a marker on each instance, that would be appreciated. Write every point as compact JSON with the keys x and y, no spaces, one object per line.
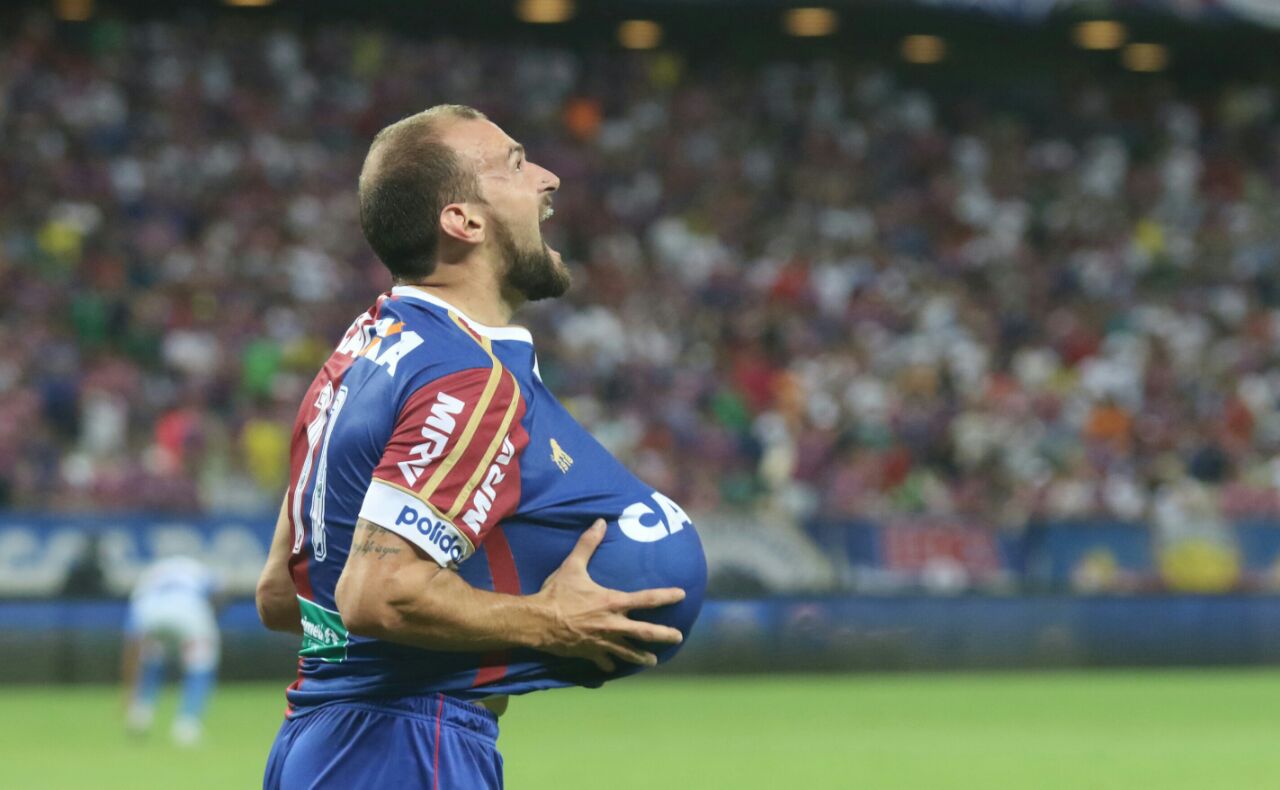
{"x":562,"y":459}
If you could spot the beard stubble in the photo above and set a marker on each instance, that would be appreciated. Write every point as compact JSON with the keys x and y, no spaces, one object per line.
{"x":532,"y":273}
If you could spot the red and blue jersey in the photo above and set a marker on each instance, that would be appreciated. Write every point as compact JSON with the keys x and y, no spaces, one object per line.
{"x":440,"y":430}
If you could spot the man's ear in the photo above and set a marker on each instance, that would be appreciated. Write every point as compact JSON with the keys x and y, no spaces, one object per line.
{"x":462,"y":222}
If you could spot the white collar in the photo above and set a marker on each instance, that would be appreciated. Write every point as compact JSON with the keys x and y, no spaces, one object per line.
{"x":491,"y":332}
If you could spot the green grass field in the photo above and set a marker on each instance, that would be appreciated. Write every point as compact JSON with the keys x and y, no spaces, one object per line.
{"x":1130,"y":730}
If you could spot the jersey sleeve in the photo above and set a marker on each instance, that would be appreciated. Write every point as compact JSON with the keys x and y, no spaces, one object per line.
{"x":450,"y":470}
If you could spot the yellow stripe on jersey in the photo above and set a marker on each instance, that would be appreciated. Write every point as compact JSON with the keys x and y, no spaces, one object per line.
{"x":430,"y":506}
{"x":473,"y":424}
{"x":490,"y":452}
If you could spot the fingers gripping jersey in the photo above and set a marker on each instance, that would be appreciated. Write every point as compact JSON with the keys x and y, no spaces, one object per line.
{"x":441,"y":431}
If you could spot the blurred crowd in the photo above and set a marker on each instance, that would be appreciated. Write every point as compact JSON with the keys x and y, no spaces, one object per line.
{"x":813,"y":287}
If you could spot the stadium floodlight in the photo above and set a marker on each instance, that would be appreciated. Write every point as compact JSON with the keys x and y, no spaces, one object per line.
{"x":1145,"y":57}
{"x":810,"y":22}
{"x":639,"y":34}
{"x":544,"y":12}
{"x":923,"y":49}
{"x":73,"y":10}
{"x":1100,"y":34}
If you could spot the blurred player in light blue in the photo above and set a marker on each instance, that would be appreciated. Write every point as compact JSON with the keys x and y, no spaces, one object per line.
{"x":171,"y":613}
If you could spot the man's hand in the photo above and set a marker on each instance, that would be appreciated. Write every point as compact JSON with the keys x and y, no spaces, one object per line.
{"x":390,"y":590}
{"x":591,"y":621}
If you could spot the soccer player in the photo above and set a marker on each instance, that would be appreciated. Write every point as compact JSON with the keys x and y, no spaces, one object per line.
{"x":171,"y":614}
{"x":451,"y":535}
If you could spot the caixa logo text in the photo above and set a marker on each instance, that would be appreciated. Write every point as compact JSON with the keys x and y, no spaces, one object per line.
{"x":643,"y":524}
{"x":443,"y":535}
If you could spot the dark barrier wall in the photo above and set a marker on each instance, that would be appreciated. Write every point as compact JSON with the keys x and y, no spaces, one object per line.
{"x":44,"y":642}
{"x":923,"y":632}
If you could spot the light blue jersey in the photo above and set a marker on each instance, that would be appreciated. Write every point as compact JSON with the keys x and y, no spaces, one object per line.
{"x":171,"y":615}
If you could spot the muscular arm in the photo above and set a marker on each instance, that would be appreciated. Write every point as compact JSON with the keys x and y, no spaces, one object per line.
{"x":388,"y":591}
{"x":276,"y":598}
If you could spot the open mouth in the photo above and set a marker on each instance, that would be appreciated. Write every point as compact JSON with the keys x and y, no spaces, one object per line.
{"x":545,"y":215}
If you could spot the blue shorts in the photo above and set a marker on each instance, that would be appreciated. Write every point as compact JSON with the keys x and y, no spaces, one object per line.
{"x":434,"y":742}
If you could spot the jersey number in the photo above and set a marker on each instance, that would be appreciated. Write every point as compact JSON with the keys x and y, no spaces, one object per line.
{"x":328,"y":406}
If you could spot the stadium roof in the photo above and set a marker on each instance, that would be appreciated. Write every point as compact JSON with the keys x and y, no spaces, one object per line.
{"x":1263,"y":12}
{"x":1258,"y":12}
{"x":1201,"y":41}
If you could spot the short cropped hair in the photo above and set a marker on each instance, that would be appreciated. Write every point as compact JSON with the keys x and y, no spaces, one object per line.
{"x":409,"y":176}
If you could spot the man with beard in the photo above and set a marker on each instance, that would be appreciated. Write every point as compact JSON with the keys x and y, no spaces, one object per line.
{"x":451,"y":535}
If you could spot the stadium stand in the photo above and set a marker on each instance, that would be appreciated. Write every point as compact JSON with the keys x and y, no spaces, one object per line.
{"x":811,"y":282}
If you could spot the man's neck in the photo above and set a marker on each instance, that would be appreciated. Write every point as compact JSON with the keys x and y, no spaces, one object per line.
{"x":483,"y":303}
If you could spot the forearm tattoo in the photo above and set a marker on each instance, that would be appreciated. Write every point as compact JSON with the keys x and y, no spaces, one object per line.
{"x":368,"y":541}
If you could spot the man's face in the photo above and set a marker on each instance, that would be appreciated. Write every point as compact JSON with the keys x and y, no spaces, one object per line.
{"x":518,"y":194}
